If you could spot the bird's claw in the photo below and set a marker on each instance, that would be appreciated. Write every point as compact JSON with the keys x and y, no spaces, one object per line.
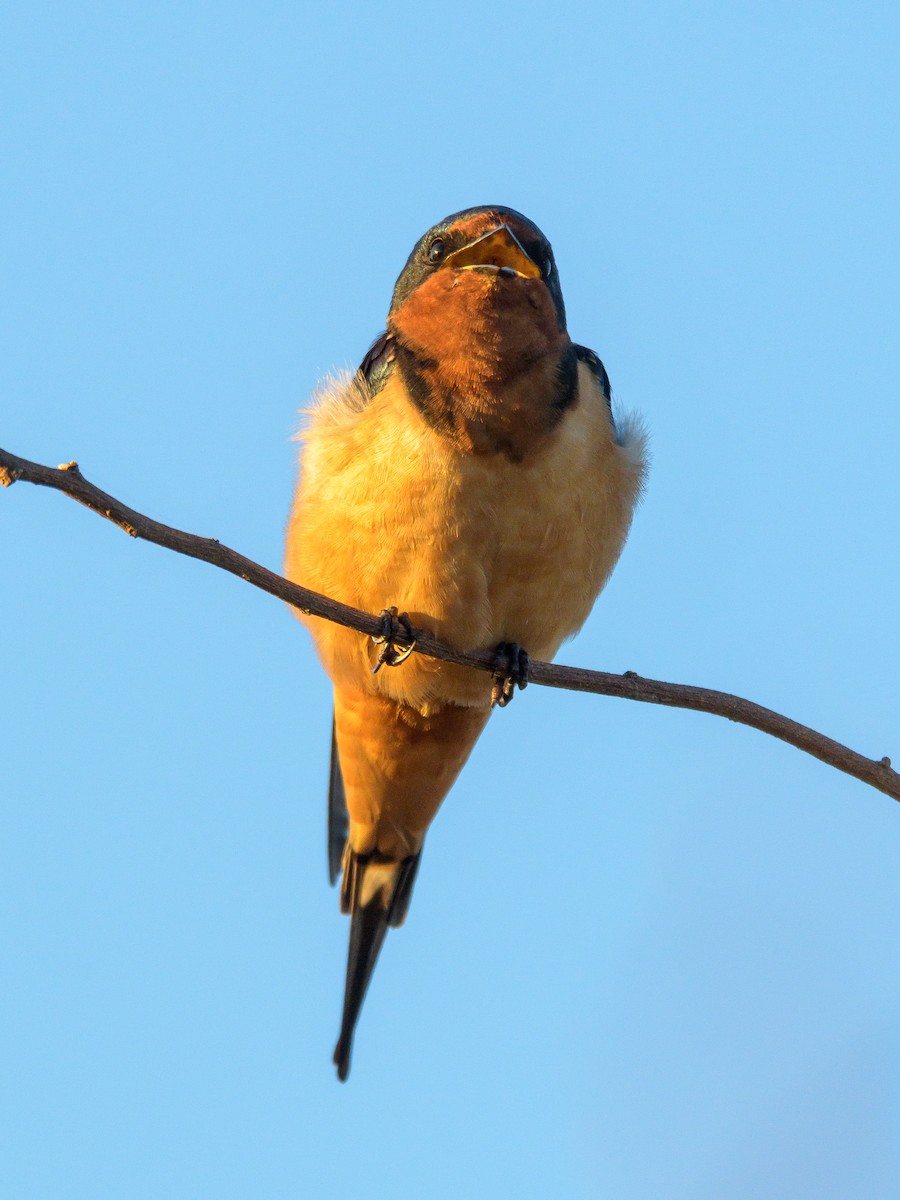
{"x":389,"y":653}
{"x":510,"y":672}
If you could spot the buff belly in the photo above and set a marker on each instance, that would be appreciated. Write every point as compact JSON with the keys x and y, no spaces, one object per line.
{"x":476,"y":549}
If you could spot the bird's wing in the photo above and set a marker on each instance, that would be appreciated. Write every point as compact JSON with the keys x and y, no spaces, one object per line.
{"x":338,"y":817}
{"x":378,"y":363}
{"x":597,"y":369}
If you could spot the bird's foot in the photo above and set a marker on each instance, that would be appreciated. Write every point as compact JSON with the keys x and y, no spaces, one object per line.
{"x":510,"y":672}
{"x":389,"y":653}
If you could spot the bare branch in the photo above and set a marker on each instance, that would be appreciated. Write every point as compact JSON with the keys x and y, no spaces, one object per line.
{"x":68,"y":479}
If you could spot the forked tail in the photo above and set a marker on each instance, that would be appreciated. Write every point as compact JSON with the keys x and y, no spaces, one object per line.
{"x":376,"y":892}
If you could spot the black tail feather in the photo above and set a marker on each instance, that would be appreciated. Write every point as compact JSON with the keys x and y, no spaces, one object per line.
{"x":367,"y":929}
{"x":406,"y":879}
{"x":368,"y":925}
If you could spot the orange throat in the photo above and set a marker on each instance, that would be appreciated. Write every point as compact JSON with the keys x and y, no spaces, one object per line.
{"x":484,"y":359}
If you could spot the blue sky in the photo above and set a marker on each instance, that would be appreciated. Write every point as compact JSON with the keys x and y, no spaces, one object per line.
{"x":651,"y":954}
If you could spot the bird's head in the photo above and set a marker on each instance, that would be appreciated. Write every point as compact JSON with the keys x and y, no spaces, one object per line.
{"x":481,"y":286}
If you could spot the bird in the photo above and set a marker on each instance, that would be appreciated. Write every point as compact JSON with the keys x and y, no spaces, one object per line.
{"x":468,"y":480}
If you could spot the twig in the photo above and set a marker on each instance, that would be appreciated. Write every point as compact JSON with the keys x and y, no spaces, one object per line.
{"x":68,"y":479}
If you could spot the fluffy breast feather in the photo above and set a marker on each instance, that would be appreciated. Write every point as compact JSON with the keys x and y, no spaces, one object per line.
{"x":477,"y":550}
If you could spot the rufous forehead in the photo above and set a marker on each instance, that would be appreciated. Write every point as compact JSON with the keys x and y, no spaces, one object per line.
{"x":477,"y":224}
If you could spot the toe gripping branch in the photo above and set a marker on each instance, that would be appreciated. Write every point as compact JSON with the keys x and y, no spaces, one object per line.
{"x":510,"y":672}
{"x":390,"y":654}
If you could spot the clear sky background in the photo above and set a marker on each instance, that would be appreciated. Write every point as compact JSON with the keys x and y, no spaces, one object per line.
{"x":651,"y":954}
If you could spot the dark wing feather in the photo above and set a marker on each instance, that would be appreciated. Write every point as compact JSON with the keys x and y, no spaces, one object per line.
{"x":378,"y":363}
{"x":338,"y":818}
{"x":597,"y":369}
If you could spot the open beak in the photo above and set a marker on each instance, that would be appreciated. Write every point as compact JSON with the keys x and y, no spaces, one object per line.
{"x":500,"y":251}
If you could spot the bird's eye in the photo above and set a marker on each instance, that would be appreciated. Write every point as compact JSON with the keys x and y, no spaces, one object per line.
{"x":436,"y":251}
{"x":548,"y":269}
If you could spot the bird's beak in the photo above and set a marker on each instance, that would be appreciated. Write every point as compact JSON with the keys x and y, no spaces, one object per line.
{"x":499,"y":250}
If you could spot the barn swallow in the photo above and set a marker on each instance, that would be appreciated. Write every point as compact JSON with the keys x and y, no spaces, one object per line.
{"x":471,"y":475}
